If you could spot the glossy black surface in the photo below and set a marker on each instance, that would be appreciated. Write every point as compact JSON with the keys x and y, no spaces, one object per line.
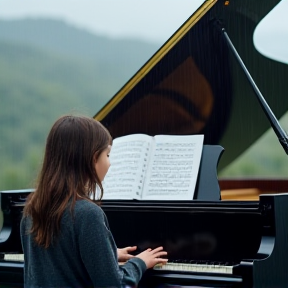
{"x":186,"y":233}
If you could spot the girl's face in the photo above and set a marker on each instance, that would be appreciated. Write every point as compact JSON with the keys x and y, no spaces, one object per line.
{"x":103,"y":163}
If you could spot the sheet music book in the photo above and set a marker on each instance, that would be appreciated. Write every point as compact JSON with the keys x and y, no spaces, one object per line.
{"x":163,"y":167}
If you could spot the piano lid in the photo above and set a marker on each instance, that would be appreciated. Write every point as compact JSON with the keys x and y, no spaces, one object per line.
{"x":194,"y":85}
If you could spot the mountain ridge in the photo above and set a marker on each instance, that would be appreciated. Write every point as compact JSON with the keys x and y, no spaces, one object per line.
{"x":60,"y":37}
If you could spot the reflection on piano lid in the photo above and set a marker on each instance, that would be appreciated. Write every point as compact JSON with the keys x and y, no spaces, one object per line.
{"x":199,"y":231}
{"x":194,"y":85}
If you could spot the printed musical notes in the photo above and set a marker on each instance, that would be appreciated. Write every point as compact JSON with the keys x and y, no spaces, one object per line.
{"x":128,"y":158}
{"x":173,"y":168}
{"x":160,"y":167}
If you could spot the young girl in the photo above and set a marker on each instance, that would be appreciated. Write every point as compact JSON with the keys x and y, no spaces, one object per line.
{"x":65,"y":236}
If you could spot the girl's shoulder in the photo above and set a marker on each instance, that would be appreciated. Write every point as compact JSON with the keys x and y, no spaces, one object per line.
{"x":85,"y":206}
{"x":88,"y":214}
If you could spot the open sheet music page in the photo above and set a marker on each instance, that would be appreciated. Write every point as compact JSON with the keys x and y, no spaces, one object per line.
{"x":173,"y":167}
{"x":162,"y":167}
{"x":128,"y":158}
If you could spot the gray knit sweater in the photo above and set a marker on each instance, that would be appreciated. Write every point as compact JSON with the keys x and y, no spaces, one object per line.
{"x":84,"y":255}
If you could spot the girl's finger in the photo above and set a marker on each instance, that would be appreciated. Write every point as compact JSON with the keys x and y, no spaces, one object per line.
{"x":160,"y":254}
{"x":158,"y":249}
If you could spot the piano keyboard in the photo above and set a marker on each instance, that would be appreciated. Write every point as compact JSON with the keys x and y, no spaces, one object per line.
{"x":225,"y":268}
{"x":14,"y":257}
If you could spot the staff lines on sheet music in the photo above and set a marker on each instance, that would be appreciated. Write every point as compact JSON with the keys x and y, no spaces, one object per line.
{"x":124,"y":169}
{"x":172,"y":156}
{"x":129,"y":150}
{"x":174,"y":163}
{"x":172,"y":169}
{"x":127,"y":185}
{"x":171,"y":144}
{"x":175,"y":184}
{"x":170,"y":175}
{"x":117,"y":191}
{"x":130,"y":155}
{"x":174,"y":150}
{"x":171,"y":192}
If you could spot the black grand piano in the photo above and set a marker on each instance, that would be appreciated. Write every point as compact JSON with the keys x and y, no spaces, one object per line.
{"x":199,"y":82}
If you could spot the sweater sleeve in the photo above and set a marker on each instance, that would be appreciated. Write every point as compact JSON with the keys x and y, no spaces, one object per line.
{"x":99,"y":252}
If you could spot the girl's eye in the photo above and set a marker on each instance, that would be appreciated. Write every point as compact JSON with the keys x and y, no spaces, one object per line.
{"x":108,"y":155}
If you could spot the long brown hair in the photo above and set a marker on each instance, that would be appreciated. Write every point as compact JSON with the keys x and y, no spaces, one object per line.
{"x":68,"y":173}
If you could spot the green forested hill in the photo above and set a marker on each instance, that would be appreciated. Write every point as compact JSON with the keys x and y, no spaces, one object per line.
{"x":47,"y":69}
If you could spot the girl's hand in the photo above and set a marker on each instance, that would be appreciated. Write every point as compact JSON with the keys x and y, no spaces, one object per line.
{"x":123,"y":253}
{"x":153,"y":257}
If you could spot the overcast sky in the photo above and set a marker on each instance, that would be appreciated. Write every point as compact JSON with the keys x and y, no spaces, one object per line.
{"x":152,"y":20}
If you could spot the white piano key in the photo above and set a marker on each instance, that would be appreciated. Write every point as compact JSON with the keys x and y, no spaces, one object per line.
{"x":14,"y":257}
{"x":202,"y":268}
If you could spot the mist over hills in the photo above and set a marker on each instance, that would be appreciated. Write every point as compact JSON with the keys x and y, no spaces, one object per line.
{"x":58,"y":36}
{"x":47,"y":69}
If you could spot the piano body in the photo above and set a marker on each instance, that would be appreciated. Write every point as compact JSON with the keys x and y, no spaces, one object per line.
{"x":194,"y":84}
{"x":210,"y":243}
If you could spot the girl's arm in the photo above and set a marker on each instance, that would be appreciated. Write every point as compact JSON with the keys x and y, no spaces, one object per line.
{"x":99,"y":252}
